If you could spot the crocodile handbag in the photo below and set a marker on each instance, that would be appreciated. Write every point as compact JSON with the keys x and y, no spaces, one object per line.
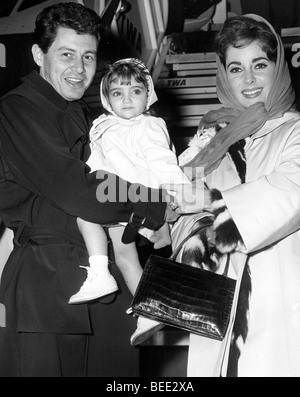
{"x":179,"y":295}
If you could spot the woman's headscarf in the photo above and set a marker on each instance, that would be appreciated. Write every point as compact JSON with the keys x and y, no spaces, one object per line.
{"x":244,"y":122}
{"x":151,"y":97}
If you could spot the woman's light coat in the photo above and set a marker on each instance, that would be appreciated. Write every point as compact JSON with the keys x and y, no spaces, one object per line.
{"x":266,"y":210}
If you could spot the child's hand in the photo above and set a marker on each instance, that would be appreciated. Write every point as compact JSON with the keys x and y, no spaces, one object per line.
{"x":161,"y":238}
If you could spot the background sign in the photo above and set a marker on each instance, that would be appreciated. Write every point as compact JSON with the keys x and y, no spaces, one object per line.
{"x":136,"y":29}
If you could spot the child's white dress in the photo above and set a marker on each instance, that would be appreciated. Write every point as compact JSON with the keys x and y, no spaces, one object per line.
{"x":137,"y":150}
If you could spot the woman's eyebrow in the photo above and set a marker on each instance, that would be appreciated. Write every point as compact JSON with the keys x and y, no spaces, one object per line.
{"x":253,"y":61}
{"x":260,"y":59}
{"x":234,"y":63}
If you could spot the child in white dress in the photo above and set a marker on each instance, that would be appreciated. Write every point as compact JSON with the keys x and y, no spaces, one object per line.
{"x":130,"y":142}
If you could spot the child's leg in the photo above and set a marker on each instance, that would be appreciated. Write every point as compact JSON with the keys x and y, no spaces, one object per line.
{"x":127,"y":259}
{"x":94,"y":237}
{"x":99,"y":281}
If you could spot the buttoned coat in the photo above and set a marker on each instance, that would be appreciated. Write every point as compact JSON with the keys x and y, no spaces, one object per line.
{"x":45,"y":185}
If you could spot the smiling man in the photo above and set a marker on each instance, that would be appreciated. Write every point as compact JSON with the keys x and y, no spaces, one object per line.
{"x":44,"y":186}
{"x":70,"y":63}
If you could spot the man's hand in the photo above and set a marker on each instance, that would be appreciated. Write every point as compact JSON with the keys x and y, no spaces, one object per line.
{"x":190,"y":198}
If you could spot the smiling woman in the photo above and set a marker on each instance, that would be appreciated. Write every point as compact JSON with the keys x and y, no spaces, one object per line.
{"x":252,"y":169}
{"x":248,"y":51}
{"x":250,"y":73}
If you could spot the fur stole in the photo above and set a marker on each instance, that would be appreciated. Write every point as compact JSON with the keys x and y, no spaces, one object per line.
{"x":226,"y":239}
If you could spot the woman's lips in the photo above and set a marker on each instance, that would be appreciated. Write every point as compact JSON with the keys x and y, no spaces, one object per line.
{"x":253,"y":93}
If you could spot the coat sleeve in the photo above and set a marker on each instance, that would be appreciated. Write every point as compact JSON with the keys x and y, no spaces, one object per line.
{"x":268,"y":209}
{"x":41,"y":160}
{"x":157,"y":149}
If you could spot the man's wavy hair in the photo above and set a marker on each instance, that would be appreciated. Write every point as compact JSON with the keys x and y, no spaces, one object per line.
{"x":66,"y":15}
{"x":241,"y":31}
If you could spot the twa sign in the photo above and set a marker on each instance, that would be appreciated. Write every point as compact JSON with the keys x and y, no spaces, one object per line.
{"x":136,"y":29}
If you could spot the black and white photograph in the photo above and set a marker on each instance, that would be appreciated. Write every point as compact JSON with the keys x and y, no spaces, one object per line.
{"x":149,"y":191}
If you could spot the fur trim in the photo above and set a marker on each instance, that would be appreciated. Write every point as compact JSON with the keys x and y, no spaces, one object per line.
{"x":199,"y":252}
{"x":238,"y":157}
{"x":240,"y":329}
{"x":215,"y":195}
{"x":218,"y":205}
{"x":204,"y":135}
{"x":228,"y":237}
{"x":223,"y":217}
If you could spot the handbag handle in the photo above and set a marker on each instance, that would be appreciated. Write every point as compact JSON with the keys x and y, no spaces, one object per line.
{"x":209,"y":222}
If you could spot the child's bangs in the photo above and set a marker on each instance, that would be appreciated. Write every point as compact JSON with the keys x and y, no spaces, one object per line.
{"x":125,"y":75}
{"x":121,"y":79}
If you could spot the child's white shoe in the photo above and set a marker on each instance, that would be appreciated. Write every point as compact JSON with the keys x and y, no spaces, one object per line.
{"x":97,"y":285}
{"x":145,"y":329}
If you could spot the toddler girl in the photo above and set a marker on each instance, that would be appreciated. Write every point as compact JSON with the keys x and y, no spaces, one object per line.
{"x":135,"y":145}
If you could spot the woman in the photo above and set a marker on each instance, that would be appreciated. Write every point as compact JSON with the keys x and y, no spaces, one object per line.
{"x":252,"y":167}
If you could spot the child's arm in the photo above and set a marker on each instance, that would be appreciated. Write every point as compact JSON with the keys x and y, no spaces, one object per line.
{"x":157,"y":149}
{"x":94,"y":237}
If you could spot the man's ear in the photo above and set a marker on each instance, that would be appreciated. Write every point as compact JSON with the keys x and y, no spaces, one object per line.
{"x":38,"y":55}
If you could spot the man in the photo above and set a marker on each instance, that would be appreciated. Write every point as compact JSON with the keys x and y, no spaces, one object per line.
{"x":44,"y":186}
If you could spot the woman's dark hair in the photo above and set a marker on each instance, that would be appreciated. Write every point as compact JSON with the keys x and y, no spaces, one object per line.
{"x":241,"y":31}
{"x":67,"y":15}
